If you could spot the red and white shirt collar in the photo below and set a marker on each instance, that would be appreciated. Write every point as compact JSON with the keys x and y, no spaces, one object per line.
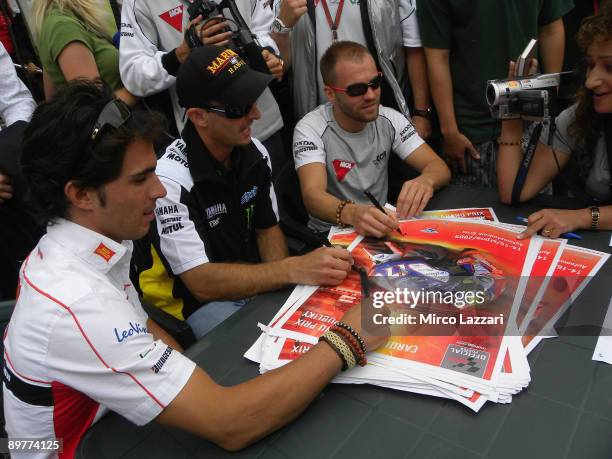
{"x":95,"y":249}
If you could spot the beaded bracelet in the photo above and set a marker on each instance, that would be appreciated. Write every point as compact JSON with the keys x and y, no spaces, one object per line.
{"x":352,"y":331}
{"x":509,"y":144}
{"x":339,"y":210}
{"x":341,"y":348}
{"x":353,"y":345}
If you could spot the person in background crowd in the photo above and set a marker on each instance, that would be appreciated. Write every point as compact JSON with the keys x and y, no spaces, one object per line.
{"x":582,"y":144}
{"x":389,"y":29}
{"x":79,"y":343}
{"x":17,"y":229}
{"x":343,"y":148}
{"x":153,"y":48}
{"x":6,"y":20}
{"x":75,"y":40}
{"x":217,"y":240}
{"x":468,"y":42}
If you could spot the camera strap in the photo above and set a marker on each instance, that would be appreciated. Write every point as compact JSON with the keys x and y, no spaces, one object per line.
{"x":521,"y":176}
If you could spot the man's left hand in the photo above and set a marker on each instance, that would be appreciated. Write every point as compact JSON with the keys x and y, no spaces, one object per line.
{"x":275,"y":64}
{"x":554,"y":222}
{"x":414,"y":197}
{"x":422,"y":125}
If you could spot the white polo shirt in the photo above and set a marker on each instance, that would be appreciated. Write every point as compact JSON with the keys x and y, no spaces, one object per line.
{"x":77,"y":344}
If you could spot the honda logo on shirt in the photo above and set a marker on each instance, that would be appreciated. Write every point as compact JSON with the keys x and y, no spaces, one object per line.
{"x":342,"y":167}
{"x":174,"y":17}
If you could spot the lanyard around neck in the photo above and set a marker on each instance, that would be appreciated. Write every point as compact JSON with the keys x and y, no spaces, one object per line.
{"x":333,"y":25}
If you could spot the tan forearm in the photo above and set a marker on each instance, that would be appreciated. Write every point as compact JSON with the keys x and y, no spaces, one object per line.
{"x":437,"y":174}
{"x":271,"y":244}
{"x":234,"y":281}
{"x":441,"y":85}
{"x":509,"y":159}
{"x":234,"y":417}
{"x":552,"y":46}
{"x":321,"y":204}
{"x":264,"y":404}
{"x":126,"y":96}
{"x":284,"y":47}
{"x":416,"y":66}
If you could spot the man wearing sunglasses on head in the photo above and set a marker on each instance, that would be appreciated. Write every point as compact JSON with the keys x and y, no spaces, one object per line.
{"x":79,"y":343}
{"x":217,"y":234}
{"x":342,"y":149}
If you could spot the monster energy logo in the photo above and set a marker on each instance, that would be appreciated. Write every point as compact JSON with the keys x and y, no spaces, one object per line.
{"x":249,"y":215}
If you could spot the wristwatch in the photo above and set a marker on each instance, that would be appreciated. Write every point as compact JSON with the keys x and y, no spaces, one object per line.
{"x":279,"y":27}
{"x":427,"y":113}
{"x":594,"y":217}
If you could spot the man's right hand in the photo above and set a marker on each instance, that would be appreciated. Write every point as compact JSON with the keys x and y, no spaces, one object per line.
{"x":455,"y":146}
{"x":6,"y":189}
{"x":209,"y":35}
{"x":369,"y":221}
{"x":323,"y":266}
{"x":212,"y":32}
{"x":354,"y":316}
{"x":291,"y":11}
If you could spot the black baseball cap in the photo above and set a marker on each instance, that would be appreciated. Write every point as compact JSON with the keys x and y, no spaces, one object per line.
{"x":220,"y":74}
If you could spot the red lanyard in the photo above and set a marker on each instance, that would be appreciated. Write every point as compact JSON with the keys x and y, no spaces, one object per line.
{"x":333,"y":25}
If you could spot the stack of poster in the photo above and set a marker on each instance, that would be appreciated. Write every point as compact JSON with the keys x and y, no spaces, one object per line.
{"x":468,"y":301}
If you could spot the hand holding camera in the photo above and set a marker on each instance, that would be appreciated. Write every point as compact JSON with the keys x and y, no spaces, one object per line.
{"x":222,"y":25}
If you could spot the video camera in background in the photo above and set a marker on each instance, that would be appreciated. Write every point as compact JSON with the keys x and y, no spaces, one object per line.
{"x":242,"y":41}
{"x":531,"y":98}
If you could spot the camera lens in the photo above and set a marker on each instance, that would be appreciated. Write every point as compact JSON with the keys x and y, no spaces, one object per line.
{"x":491,"y":94}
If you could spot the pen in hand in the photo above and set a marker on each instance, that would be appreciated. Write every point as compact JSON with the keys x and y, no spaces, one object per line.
{"x":564,"y":235}
{"x":376,"y":204}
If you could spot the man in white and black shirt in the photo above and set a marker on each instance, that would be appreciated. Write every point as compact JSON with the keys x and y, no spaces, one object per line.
{"x":342,"y":149}
{"x":217,"y":234}
{"x":153,"y":48}
{"x":79,"y":343}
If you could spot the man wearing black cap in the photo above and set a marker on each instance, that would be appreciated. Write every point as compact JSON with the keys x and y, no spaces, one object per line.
{"x":216,"y":241}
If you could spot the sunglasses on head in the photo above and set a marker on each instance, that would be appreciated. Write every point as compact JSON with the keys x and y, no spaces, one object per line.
{"x":114,"y":115}
{"x":230,"y":111}
{"x":359,"y":89}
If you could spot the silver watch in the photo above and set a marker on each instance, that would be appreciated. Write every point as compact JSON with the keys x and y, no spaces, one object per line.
{"x":279,"y":27}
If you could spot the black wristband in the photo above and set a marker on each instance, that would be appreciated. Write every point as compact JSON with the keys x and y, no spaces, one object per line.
{"x":170,"y":62}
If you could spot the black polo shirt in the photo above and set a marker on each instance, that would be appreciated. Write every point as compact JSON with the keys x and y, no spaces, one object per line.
{"x":210,"y":214}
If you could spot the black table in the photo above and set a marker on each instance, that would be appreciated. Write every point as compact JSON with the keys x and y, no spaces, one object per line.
{"x":566,"y":412}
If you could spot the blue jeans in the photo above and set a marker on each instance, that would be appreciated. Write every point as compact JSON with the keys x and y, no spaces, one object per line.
{"x":212,"y":314}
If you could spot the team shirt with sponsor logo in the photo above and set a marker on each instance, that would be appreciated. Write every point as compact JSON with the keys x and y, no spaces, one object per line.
{"x":77,"y":344}
{"x":210,"y":214}
{"x":355,"y":161}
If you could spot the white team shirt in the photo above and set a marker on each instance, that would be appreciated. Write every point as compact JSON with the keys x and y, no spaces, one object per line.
{"x":77,"y":344}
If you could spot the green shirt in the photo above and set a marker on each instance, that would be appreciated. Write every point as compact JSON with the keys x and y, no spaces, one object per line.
{"x":60,"y":29}
{"x":482,"y":36}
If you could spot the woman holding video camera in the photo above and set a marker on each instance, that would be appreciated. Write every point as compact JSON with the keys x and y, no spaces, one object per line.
{"x":579,"y":144}
{"x":75,"y":40}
